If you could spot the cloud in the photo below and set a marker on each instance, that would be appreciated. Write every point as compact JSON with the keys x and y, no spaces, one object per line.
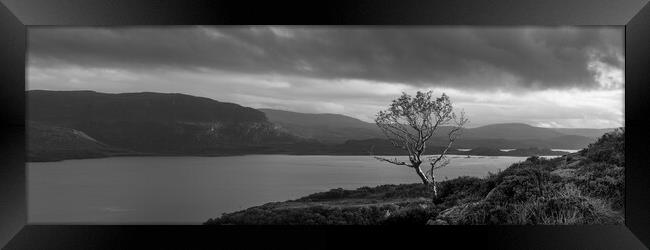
{"x":601,"y":108}
{"x":544,"y":76}
{"x":473,"y":58}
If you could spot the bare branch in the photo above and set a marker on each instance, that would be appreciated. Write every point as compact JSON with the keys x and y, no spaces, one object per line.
{"x":443,"y":163}
{"x":409,"y":122}
{"x":394,"y":161}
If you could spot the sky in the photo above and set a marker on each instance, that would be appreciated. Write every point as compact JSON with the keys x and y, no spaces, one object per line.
{"x":571,"y":77}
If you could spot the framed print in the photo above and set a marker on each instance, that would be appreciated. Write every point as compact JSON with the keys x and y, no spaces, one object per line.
{"x":214,"y":124}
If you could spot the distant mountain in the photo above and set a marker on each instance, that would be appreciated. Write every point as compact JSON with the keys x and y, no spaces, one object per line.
{"x":76,"y":106}
{"x":86,"y":124}
{"x":326,"y":128}
{"x":337,"y":129}
{"x":586,"y":132}
{"x":436,"y":145}
{"x":156,"y":122}
{"x":51,"y":143}
{"x":560,"y":142}
{"x":511,"y":131}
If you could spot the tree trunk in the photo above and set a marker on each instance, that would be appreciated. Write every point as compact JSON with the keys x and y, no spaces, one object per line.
{"x":424,"y":178}
{"x":433,"y":185}
{"x":429,"y":183}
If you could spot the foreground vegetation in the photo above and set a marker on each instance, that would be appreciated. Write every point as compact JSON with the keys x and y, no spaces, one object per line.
{"x":581,"y":188}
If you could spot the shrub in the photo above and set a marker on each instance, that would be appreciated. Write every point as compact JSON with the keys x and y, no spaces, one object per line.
{"x":379,"y":192}
{"x":412,"y":215}
{"x":459,"y":190}
{"x":609,"y":148}
{"x":603,"y":181}
{"x":567,"y":206}
{"x":332,"y":194}
{"x":313,"y":215}
{"x":521,"y":184}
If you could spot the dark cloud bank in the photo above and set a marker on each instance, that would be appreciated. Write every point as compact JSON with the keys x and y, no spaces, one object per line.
{"x":459,"y":57}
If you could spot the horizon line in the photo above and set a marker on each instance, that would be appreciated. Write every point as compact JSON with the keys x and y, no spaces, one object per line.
{"x":271,"y":108}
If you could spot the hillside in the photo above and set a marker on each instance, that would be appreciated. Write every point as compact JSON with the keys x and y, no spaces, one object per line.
{"x":308,"y":119}
{"x":383,"y":147}
{"x":576,"y":189}
{"x":338,"y":129}
{"x":586,"y":132}
{"x":327,"y":128}
{"x":511,"y":131}
{"x":77,"y":106}
{"x":561,"y":142}
{"x":50,"y":143}
{"x":155,"y":122}
{"x":176,"y":124}
{"x":478,"y":146}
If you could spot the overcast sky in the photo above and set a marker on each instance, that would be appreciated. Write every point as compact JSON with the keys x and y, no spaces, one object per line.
{"x":542,"y":76}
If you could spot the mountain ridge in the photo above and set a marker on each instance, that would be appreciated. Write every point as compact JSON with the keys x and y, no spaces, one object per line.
{"x":327,"y":128}
{"x":160,"y":123}
{"x":309,"y":125}
{"x":178,"y":124}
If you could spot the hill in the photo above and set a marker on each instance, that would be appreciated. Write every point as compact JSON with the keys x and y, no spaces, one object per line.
{"x":576,"y":189}
{"x":155,"y":122}
{"x":511,"y":131}
{"x":337,"y":129}
{"x":326,"y":128}
{"x":176,"y":124}
{"x":586,"y":132}
{"x":51,"y":143}
{"x":88,"y":106}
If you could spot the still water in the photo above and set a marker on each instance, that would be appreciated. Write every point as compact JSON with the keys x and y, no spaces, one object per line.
{"x":190,"y":190}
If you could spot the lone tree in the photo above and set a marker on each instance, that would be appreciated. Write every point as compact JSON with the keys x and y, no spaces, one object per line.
{"x":409,"y":122}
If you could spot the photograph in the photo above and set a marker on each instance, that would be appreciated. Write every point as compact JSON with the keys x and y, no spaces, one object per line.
{"x":325,"y":125}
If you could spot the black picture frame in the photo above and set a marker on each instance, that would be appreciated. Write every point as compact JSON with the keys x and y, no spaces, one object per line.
{"x":16,"y":16}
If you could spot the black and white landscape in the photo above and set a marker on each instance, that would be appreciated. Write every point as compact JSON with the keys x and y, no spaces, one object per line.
{"x":326,"y":125}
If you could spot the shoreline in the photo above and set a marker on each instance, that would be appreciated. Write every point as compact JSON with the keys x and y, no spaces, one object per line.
{"x":59,"y":159}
